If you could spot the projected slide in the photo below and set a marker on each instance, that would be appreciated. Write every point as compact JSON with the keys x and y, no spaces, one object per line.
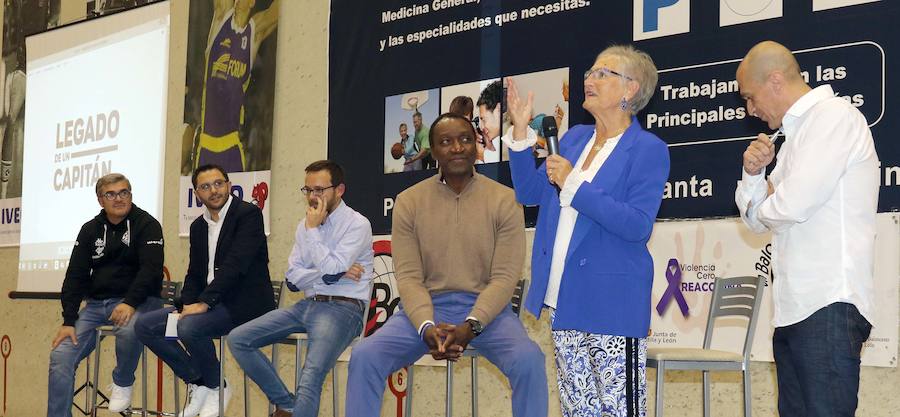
{"x":95,"y":104}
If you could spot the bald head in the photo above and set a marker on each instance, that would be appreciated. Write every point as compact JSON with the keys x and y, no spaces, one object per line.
{"x":768,"y":57}
{"x":770,"y":82}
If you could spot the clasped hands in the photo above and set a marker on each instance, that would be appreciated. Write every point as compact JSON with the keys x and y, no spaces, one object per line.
{"x":448,"y":341}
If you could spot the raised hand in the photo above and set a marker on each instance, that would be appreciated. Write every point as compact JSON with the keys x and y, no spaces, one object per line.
{"x":519,"y":109}
{"x":315,"y":215}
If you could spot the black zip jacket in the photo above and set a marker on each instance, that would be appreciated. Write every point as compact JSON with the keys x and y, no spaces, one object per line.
{"x":114,"y":260}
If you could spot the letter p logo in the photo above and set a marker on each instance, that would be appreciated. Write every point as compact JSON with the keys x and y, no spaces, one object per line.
{"x":651,"y":13}
{"x":655,"y":18}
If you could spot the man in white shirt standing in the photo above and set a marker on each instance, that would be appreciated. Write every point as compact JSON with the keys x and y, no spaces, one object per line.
{"x":819,"y":201}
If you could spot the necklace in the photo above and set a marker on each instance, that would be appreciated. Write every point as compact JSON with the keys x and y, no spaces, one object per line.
{"x":599,"y":145}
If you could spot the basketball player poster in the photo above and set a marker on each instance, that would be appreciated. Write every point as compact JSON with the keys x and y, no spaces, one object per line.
{"x":20,"y":19}
{"x":229,"y":98}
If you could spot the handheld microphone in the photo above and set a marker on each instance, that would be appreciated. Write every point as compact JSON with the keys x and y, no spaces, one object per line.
{"x":774,"y":136}
{"x":548,"y":125}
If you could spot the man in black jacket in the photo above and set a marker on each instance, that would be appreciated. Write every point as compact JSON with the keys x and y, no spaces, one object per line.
{"x":227,"y":284}
{"x":117,"y":268}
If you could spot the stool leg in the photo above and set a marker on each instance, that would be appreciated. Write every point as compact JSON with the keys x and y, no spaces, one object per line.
{"x":96,"y":374}
{"x":222,"y":376}
{"x":475,"y":386}
{"x":246,"y":396}
{"x":449,"y":404}
{"x":87,"y":385}
{"x":409,"y":390}
{"x":177,"y":395}
{"x":143,"y":382}
{"x":705,"y":393}
{"x":334,"y":391}
{"x":271,"y":407}
{"x":747,"y":397}
{"x":298,"y":358}
{"x":660,"y":377}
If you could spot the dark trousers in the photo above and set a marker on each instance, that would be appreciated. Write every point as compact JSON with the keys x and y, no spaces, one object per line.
{"x":195,"y":357}
{"x":817,"y":362}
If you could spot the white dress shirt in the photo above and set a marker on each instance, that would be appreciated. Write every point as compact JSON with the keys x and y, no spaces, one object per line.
{"x":212,"y":237}
{"x":568,"y":216}
{"x":822,"y":212}
{"x":492,"y":155}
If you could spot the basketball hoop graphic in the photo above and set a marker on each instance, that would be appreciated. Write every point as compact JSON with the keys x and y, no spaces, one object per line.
{"x":412,"y":101}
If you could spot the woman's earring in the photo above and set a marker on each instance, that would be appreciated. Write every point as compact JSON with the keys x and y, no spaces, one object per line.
{"x":623,"y":104}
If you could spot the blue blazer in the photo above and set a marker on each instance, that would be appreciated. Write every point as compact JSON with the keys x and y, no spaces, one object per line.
{"x":608,"y":272}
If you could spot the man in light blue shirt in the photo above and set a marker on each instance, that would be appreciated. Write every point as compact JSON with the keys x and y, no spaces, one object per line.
{"x":332,"y":263}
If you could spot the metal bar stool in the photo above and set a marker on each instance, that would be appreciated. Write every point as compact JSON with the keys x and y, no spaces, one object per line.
{"x":734,"y":298}
{"x":516,"y":303}
{"x":170,"y":292}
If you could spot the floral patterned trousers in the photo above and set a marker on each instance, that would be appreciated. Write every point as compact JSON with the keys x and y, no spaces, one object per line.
{"x":601,"y":375}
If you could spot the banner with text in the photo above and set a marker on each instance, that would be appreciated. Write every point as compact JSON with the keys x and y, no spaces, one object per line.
{"x":248,"y":186}
{"x":689,"y":255}
{"x":413,"y":59}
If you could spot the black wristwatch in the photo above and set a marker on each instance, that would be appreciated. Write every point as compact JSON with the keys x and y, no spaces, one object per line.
{"x":476,"y":326}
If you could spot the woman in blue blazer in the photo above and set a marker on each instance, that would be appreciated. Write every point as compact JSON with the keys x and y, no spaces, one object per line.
{"x":590,"y":265}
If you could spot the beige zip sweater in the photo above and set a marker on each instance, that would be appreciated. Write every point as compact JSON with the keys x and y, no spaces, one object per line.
{"x":472,"y":242}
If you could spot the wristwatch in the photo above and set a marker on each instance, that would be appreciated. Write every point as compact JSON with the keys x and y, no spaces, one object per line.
{"x":476,"y":326}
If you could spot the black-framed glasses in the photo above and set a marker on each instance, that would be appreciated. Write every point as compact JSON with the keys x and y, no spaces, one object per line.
{"x":314,"y":191}
{"x":603,"y":72}
{"x":217,"y":184}
{"x":122,"y":195}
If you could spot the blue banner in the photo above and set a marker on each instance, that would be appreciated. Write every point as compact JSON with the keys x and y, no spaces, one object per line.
{"x":390,"y":59}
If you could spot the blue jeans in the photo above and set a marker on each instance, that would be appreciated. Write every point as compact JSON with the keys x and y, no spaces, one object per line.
{"x":66,"y":357}
{"x":330,"y":325}
{"x":197,"y":358}
{"x":817,"y":362}
{"x":504,"y":342}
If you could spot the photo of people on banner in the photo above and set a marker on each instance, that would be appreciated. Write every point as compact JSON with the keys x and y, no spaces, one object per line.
{"x":408,"y":117}
{"x":230,"y":85}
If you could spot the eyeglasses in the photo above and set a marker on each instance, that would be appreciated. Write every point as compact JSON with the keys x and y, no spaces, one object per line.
{"x":112,"y":195}
{"x":217,"y":184}
{"x":314,"y":191}
{"x":603,"y":72}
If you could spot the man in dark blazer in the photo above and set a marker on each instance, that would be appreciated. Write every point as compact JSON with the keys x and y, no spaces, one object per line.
{"x":227,"y":284}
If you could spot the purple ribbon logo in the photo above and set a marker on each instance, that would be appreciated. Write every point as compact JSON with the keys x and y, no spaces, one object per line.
{"x":673,"y":276}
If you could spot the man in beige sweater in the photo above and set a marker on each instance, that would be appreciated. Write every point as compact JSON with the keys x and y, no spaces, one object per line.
{"x":458,"y":247}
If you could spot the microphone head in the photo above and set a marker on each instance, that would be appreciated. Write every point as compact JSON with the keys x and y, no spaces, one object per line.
{"x":548,"y":125}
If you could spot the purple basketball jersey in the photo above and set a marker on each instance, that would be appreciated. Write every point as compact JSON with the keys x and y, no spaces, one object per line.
{"x":227,"y":77}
